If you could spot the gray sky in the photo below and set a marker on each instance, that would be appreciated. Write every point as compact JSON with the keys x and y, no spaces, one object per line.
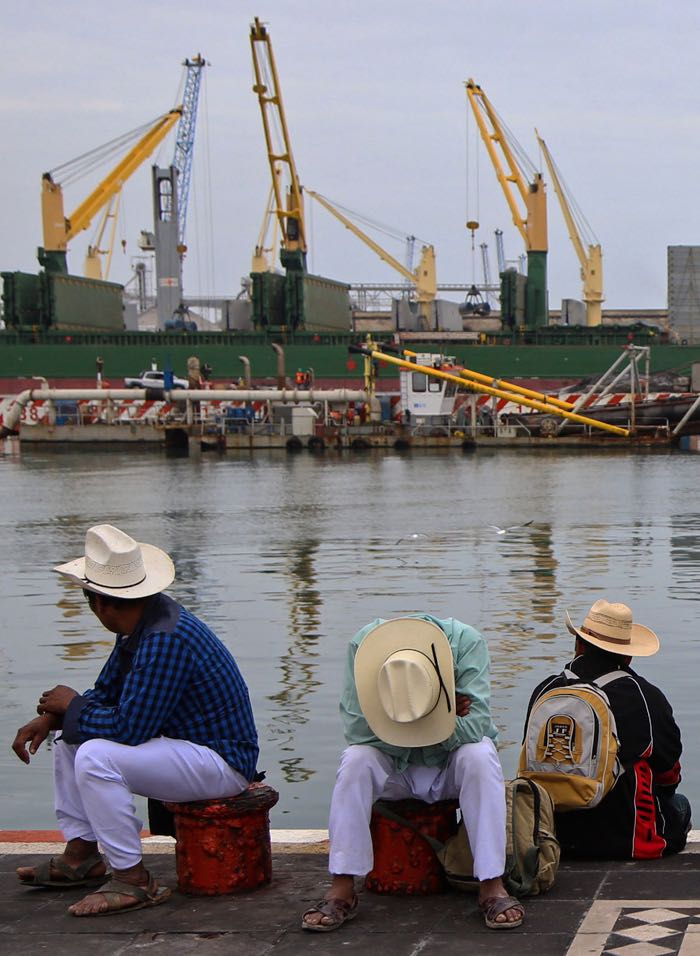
{"x":378,"y":117}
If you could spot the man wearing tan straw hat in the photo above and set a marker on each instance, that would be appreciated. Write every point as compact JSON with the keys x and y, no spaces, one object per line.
{"x":642,"y":816}
{"x":169,"y":718}
{"x":415,"y":709}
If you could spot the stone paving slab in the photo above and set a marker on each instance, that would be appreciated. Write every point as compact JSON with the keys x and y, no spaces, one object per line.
{"x":616,"y":909}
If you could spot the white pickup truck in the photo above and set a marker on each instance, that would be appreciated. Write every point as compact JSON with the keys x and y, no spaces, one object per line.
{"x":152,"y":378}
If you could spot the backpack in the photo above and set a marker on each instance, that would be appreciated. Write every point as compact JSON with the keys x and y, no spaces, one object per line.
{"x":570,"y":745}
{"x":532,"y":849}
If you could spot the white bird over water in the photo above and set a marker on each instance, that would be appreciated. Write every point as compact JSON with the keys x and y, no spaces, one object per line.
{"x":511,"y":527}
{"x":416,"y":536}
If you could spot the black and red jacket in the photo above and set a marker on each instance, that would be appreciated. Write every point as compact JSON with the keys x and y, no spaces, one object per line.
{"x":629,"y":823}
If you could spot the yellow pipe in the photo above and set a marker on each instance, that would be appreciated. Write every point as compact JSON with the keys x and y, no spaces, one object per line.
{"x":510,"y":386}
{"x":500,"y":393}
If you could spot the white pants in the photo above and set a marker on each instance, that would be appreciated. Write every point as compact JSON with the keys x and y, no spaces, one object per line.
{"x":95,"y":782}
{"x":472,"y":775}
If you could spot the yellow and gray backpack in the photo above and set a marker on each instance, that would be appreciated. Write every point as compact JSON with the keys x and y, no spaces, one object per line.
{"x":570,"y":745}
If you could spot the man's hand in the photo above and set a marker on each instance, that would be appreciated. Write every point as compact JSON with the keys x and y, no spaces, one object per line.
{"x":462,"y":704}
{"x":56,"y":701}
{"x":34,"y":733}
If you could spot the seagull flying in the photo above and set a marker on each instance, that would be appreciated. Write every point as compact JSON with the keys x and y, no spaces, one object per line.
{"x":416,"y":536}
{"x":511,"y":527}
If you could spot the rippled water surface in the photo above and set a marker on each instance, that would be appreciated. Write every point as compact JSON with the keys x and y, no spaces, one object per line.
{"x":285,"y":557}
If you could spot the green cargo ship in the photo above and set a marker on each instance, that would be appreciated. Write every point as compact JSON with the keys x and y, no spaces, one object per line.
{"x":551,"y":354}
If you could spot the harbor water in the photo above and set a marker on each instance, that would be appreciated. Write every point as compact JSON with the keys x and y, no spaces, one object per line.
{"x":285,"y":557}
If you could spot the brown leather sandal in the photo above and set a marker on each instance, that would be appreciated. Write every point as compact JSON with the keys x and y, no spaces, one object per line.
{"x":337,"y":910}
{"x":496,"y":905}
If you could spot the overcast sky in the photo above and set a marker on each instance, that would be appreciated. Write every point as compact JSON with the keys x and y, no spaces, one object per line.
{"x":379,"y":122}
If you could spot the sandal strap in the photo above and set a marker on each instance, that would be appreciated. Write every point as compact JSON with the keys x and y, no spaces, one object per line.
{"x":142,"y":894}
{"x":78,"y":872}
{"x":494,"y":906}
{"x":334,"y":908}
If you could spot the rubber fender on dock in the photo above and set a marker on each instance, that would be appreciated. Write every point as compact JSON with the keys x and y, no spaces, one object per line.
{"x":402,"y":444}
{"x":294,"y":443}
{"x":359,"y":444}
{"x":316,"y":444}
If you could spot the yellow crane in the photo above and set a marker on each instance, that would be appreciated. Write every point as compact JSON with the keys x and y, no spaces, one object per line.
{"x":590,"y":258}
{"x":59,"y":229}
{"x":511,"y":166}
{"x":423,"y":278}
{"x":288,"y":198}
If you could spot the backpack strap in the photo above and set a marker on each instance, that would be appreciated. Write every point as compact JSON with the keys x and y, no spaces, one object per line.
{"x":382,"y":808}
{"x":606,"y":679}
{"x":527,"y":867}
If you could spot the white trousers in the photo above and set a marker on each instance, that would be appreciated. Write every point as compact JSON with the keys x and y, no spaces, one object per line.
{"x":472,"y":775}
{"x":95,"y":783}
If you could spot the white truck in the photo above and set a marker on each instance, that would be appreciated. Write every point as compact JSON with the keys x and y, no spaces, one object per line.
{"x":152,"y":378}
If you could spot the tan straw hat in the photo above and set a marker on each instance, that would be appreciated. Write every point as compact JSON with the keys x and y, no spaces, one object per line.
{"x":404,"y":674}
{"x":610,"y":627}
{"x":117,"y":565}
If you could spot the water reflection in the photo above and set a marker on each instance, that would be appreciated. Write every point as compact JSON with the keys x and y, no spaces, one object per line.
{"x":298,"y":663}
{"x":287,"y":558}
{"x":685,"y":556}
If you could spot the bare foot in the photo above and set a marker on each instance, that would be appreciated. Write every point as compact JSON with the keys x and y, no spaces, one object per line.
{"x":101,"y":902}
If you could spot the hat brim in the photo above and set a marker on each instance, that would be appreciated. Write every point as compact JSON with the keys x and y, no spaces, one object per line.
{"x":160,"y":574}
{"x":643,"y":641}
{"x":380,"y":643}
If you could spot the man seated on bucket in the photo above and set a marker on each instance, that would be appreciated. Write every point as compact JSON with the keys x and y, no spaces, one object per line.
{"x":169,"y":718}
{"x":415,"y":709}
{"x":642,"y":817}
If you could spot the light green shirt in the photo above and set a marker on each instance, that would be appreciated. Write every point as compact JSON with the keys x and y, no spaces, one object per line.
{"x":471,"y":660}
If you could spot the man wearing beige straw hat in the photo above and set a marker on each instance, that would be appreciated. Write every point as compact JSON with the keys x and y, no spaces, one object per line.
{"x":169,"y":718}
{"x":642,"y":816}
{"x":415,"y":709}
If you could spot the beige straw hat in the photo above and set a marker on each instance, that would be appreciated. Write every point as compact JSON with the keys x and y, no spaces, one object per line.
{"x":610,"y":627}
{"x":404,"y":674}
{"x":117,"y":565}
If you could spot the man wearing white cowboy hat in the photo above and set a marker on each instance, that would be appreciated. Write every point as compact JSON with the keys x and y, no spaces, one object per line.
{"x":169,"y":718}
{"x":415,"y":709}
{"x":642,"y":817}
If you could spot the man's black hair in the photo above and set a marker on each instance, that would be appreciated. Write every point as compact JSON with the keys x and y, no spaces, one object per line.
{"x":111,"y":599}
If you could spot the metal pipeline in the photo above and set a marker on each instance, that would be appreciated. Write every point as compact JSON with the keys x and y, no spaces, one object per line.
{"x":284,"y":395}
{"x":281,"y":374}
{"x":246,"y":370}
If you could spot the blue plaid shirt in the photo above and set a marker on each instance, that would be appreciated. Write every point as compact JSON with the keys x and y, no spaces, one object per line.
{"x":171,"y":678}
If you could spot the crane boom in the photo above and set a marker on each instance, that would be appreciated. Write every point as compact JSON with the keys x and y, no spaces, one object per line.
{"x":184,"y":139}
{"x":290,"y":208}
{"x":591,"y":259}
{"x":532,"y":225}
{"x":424,"y":278}
{"x":59,"y":229}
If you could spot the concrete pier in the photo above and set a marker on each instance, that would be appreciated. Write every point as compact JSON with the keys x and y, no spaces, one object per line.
{"x":617,"y":909}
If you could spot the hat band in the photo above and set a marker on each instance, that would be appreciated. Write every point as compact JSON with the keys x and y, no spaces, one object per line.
{"x":605,"y":637}
{"x":114,"y":587}
{"x":440,"y":680}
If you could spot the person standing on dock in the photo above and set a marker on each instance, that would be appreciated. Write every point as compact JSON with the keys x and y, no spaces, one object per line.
{"x":169,"y":718}
{"x":642,"y":817}
{"x":416,"y":715}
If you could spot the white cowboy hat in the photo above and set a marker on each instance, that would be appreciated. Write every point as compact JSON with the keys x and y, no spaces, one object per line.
{"x":610,"y":627}
{"x":404,"y":674}
{"x":117,"y":565}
